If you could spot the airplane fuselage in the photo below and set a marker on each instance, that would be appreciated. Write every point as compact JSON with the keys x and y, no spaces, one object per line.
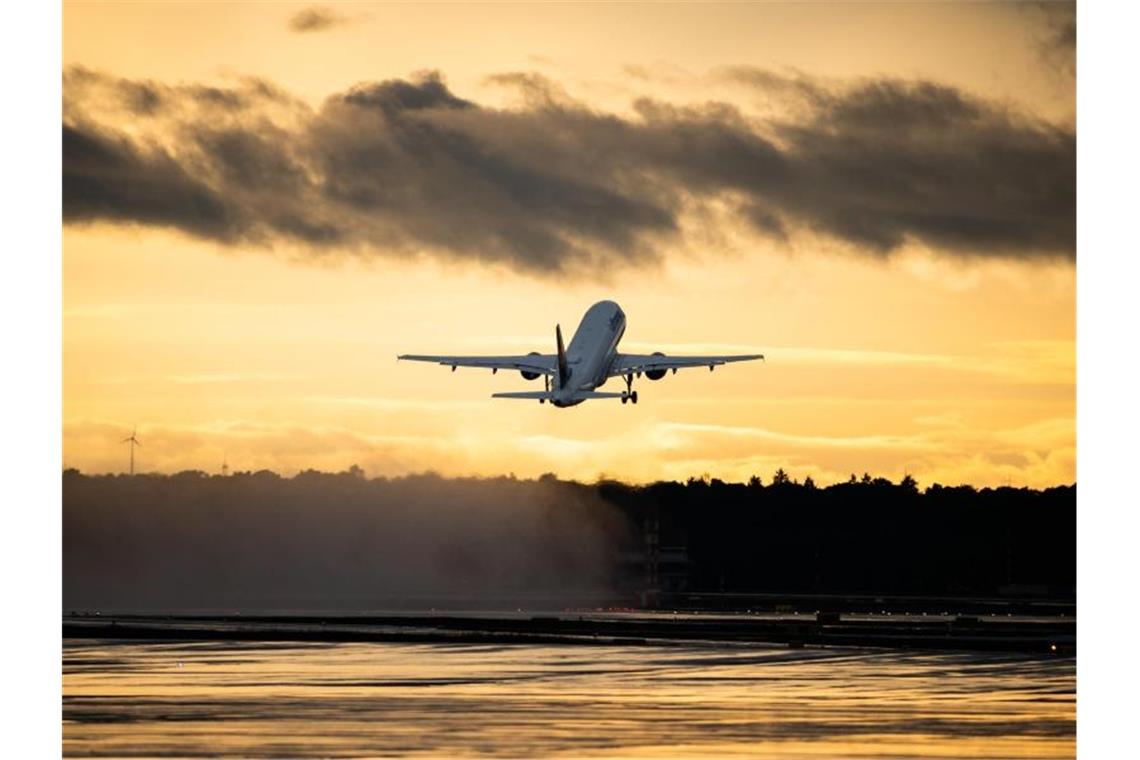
{"x":591,"y":352}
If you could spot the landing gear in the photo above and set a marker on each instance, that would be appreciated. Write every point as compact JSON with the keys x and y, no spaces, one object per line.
{"x":630,"y":394}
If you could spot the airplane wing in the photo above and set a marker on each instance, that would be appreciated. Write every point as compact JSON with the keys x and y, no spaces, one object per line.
{"x":539,"y":364}
{"x":625,"y":364}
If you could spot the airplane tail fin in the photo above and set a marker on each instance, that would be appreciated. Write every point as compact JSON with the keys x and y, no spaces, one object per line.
{"x":563,"y":370}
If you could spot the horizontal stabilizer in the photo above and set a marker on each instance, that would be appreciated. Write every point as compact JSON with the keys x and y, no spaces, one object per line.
{"x":551,"y":395}
{"x":525,"y":394}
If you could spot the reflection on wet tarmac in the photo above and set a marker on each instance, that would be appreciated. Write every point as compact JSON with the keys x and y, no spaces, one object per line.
{"x":452,"y":700}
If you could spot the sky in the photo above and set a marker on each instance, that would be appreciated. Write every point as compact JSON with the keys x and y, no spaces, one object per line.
{"x":263,"y":204}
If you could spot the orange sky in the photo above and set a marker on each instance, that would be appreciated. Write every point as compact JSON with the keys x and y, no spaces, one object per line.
{"x":955,"y":368}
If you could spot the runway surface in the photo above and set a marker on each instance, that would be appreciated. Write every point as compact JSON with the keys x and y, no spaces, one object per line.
{"x":126,"y":697}
{"x":1032,"y":634}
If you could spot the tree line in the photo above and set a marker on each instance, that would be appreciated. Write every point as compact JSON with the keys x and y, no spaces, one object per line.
{"x":256,"y":540}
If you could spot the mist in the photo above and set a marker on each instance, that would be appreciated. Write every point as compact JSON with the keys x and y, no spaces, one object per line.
{"x":259,"y":542}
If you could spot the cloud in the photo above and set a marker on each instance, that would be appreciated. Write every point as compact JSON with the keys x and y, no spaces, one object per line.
{"x":111,"y":178}
{"x":316,"y":18}
{"x":1056,"y":39}
{"x":554,"y":187}
{"x":943,"y":442}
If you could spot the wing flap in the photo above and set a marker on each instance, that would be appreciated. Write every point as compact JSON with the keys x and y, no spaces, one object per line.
{"x":626,"y":363}
{"x":544,"y":364}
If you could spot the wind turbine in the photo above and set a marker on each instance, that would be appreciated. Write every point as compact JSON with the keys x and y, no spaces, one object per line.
{"x":134,"y":442}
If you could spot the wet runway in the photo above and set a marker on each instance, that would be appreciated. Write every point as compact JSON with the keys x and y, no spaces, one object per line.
{"x":1035,"y":634}
{"x":264,"y":699}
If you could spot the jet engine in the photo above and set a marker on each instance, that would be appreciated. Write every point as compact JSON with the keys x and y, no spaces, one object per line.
{"x":655,"y":374}
{"x":530,"y":375}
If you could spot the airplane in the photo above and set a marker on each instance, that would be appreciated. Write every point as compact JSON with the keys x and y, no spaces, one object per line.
{"x":575,"y":372}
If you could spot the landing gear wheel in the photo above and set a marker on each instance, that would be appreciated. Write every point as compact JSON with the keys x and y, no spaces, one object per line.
{"x":633,"y":397}
{"x":624,"y":398}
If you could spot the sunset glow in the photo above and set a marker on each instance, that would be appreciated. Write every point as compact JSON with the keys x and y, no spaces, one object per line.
{"x":929,"y":346}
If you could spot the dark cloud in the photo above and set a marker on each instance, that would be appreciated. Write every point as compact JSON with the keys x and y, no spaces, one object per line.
{"x":1057,"y":36}
{"x":316,"y":18}
{"x":109,"y":178}
{"x":553,"y":186}
{"x":89,"y":94}
{"x":886,"y":161}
